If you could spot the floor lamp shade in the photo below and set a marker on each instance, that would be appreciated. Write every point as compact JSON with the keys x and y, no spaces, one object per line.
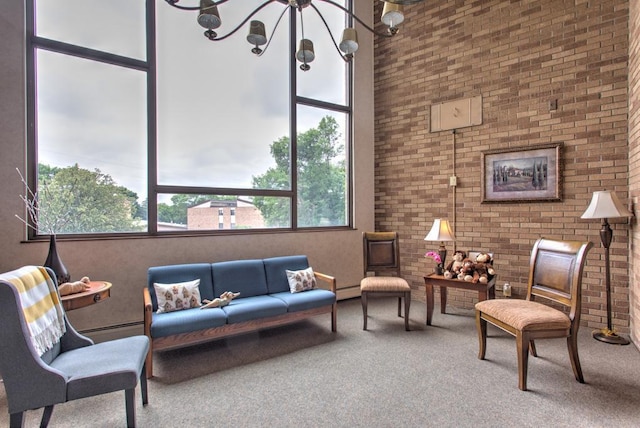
{"x":605,"y":205}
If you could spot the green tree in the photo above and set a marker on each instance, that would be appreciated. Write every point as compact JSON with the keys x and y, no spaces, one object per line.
{"x":321,"y":178}
{"x":76,"y":200}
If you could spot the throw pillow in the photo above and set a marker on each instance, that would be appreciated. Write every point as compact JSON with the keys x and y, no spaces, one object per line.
{"x":301,"y":280}
{"x":178,"y":296}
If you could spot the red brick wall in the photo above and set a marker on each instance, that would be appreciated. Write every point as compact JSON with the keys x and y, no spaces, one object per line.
{"x":518,"y":55}
{"x":634,"y":160}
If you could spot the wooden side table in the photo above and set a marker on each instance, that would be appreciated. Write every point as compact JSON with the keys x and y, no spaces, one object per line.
{"x":485,"y":291}
{"x":97,"y":292}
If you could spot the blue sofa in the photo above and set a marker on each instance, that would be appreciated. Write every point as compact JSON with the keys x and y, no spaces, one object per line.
{"x":265,"y":301}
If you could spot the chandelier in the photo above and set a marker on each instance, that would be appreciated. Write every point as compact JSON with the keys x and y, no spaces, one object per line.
{"x":209,"y":18}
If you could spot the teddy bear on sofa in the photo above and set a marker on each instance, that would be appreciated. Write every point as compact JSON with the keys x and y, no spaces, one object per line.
{"x":453,"y":268}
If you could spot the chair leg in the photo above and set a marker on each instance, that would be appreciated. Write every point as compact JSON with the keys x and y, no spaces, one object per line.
{"x":522,"y":343}
{"x":149,"y":361}
{"x":16,"y":420}
{"x":481,"y":326}
{"x":572,"y":344}
{"x":363,"y":298}
{"x":532,"y":348}
{"x":129,"y":398}
{"x":46,"y":416}
{"x":407,"y":305}
{"x":143,"y":386}
{"x":400,"y":306}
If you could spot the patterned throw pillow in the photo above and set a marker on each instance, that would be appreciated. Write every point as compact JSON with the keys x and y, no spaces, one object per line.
{"x":301,"y":280}
{"x":178,"y":296}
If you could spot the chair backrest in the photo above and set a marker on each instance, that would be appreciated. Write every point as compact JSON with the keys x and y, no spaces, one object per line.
{"x":555,"y":273}
{"x":381,"y":252}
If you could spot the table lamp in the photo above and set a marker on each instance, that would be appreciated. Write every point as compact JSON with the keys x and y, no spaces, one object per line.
{"x":440,"y":231}
{"x":605,"y":205}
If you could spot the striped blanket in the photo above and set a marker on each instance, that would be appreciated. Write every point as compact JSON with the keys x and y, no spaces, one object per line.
{"x":41,"y":305}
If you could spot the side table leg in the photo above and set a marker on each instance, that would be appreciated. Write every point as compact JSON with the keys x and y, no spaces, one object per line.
{"x":443,"y":300}
{"x":429,"y":298}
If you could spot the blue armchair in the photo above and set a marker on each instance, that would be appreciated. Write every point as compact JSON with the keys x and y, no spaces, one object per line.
{"x":72,"y":368}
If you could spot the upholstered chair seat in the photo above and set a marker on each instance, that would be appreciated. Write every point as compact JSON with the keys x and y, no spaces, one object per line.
{"x":384,"y":283}
{"x":525,"y":315}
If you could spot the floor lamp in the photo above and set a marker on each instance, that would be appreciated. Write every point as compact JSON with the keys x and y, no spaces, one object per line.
{"x":605,"y":205}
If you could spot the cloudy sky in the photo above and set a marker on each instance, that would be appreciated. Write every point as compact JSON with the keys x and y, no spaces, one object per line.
{"x":219,"y":106}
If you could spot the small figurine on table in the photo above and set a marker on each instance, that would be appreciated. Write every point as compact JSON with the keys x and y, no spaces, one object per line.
{"x":74,"y":287}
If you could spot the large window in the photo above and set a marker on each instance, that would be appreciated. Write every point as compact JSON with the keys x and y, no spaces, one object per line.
{"x":143,"y":125}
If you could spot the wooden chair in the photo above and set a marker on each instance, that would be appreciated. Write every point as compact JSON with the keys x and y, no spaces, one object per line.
{"x":381,"y":256}
{"x":555,"y":274}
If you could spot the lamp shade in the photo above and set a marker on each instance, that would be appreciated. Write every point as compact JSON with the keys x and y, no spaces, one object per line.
{"x":257,"y":34}
{"x":440,"y":231}
{"x":392,"y":15}
{"x":605,"y":204}
{"x":349,"y":43}
{"x":209,"y":16}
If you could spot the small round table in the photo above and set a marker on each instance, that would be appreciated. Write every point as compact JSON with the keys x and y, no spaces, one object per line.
{"x":97,"y":292}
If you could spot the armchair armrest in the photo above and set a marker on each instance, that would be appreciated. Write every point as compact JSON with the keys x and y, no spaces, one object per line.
{"x":327,"y":279}
{"x":148,"y":311}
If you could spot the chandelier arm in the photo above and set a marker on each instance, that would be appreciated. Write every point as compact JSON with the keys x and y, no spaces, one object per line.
{"x":273,"y":31}
{"x":344,"y":57}
{"x":232,"y":32}
{"x":175,"y":4}
{"x":353,"y":15}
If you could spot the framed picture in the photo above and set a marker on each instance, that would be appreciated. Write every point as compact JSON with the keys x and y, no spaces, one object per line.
{"x":530,"y":174}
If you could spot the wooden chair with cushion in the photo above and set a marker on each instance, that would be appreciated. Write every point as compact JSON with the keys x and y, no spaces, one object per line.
{"x":555,"y":274}
{"x":381,"y":256}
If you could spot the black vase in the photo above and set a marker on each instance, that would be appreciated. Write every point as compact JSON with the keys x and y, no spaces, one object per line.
{"x":55,"y":263}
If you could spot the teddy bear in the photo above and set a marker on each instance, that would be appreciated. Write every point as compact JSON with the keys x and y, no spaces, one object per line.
{"x":484,"y":268}
{"x":468,"y":271}
{"x":453,"y":268}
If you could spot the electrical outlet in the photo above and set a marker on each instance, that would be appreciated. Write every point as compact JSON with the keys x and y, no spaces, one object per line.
{"x":453,"y":181}
{"x":553,"y":104}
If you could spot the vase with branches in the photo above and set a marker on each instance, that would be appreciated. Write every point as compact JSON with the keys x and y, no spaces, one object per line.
{"x":44,"y":224}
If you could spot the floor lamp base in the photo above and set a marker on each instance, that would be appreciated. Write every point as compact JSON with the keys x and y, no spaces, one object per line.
{"x":608,"y":336}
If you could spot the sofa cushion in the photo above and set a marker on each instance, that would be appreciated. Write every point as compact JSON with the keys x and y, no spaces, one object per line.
{"x":181,"y":273}
{"x":186,"y":321}
{"x":239,"y":276}
{"x":177,"y":296}
{"x":308,"y":300}
{"x":251,"y":308}
{"x":301,"y":280}
{"x":275,"y":269}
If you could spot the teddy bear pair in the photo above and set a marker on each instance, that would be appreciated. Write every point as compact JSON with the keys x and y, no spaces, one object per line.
{"x":478,"y":270}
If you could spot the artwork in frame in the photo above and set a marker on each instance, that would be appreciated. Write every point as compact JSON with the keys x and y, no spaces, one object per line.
{"x":527,"y":174}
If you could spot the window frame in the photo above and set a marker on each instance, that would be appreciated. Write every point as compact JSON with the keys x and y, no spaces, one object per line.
{"x":149,"y":66}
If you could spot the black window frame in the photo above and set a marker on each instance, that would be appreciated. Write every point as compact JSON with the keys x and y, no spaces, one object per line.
{"x":34,"y":43}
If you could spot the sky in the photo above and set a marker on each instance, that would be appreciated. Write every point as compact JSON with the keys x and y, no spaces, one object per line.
{"x":219,"y":106}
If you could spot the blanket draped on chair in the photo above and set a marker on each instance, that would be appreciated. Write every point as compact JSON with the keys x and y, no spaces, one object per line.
{"x":41,"y":305}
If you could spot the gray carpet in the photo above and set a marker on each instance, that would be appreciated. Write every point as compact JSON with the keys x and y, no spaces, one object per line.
{"x":304,"y":375}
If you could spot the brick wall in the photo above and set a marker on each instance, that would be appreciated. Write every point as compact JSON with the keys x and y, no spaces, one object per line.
{"x":634,"y":160}
{"x":518,"y":55}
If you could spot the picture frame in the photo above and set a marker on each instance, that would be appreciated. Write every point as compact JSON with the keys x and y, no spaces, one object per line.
{"x":526,"y":174}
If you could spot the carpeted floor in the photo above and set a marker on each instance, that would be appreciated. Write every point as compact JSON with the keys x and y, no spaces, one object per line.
{"x":303,"y":375}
